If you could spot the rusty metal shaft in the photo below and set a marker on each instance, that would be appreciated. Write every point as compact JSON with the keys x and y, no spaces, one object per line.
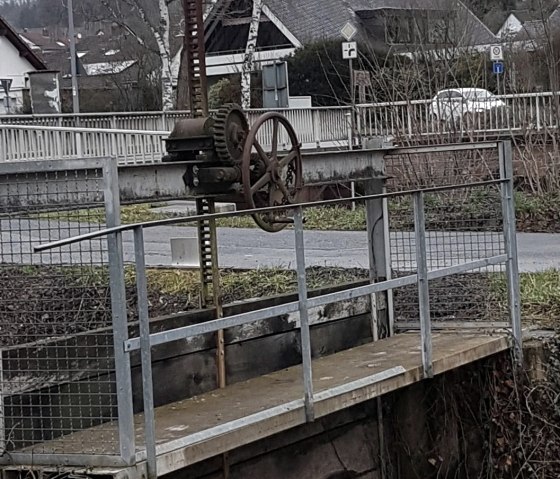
{"x":196,"y":58}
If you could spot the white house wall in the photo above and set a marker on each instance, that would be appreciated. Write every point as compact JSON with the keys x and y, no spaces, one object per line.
{"x":219,"y":65}
{"x":511,"y":26}
{"x":14,"y":67}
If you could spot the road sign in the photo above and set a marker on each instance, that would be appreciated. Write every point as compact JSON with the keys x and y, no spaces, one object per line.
{"x":6,"y":84}
{"x":498,"y":68}
{"x":349,"y":31}
{"x":349,"y":50}
{"x":275,"y":85}
{"x":496,"y":53}
{"x":362,"y":78}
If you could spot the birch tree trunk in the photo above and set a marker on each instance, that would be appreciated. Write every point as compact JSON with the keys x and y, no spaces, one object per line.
{"x":161,"y":34}
{"x":162,"y":39}
{"x":249,"y":54}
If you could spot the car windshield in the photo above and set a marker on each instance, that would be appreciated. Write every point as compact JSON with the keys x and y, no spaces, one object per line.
{"x":478,"y":95}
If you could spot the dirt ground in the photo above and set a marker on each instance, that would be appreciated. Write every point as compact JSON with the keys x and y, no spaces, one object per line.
{"x":38,"y":303}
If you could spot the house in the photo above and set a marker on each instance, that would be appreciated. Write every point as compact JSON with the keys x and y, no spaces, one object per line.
{"x":17,"y":61}
{"x":285,"y":25}
{"x":43,"y":40}
{"x":514,"y":23}
{"x":534,"y":34}
{"x":114,"y":71}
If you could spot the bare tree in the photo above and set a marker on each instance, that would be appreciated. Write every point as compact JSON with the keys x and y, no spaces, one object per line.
{"x":149,"y":23}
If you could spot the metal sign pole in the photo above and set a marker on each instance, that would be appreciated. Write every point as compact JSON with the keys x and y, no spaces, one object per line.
{"x":73,"y":66}
{"x":353,"y":101}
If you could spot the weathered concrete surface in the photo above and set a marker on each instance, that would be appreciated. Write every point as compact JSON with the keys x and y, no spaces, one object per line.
{"x":218,"y":408}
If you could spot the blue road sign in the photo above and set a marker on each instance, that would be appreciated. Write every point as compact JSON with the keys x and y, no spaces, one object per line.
{"x":498,"y":68}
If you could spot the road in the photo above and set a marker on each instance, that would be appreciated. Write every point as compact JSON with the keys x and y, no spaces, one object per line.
{"x":253,"y":248}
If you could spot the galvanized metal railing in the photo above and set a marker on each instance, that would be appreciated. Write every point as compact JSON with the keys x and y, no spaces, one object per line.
{"x":535,"y":112}
{"x":129,"y":147}
{"x":422,"y":277}
{"x":525,"y":111}
{"x":21,"y":142}
{"x":137,"y":138}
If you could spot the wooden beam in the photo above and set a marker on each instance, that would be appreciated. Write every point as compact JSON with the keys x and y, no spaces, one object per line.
{"x":232,"y":22}
{"x":274,"y":19}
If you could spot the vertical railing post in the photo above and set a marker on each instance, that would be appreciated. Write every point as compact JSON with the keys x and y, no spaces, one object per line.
{"x":119,"y":314}
{"x":409,"y":109}
{"x":538,"y":112}
{"x":349,"y":130}
{"x":145,"y":353}
{"x":510,"y":244}
{"x":304,"y":316}
{"x":3,"y":145}
{"x":79,"y":146}
{"x":423,"y":287}
{"x":316,"y":127}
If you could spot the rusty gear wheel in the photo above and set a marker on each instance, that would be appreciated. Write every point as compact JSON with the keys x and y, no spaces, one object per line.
{"x":230,"y":132}
{"x":271,"y":174}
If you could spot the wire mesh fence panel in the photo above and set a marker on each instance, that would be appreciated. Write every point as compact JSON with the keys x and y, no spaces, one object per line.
{"x":56,"y":340}
{"x":463,"y":225}
{"x":402,"y":246}
{"x":409,"y":171}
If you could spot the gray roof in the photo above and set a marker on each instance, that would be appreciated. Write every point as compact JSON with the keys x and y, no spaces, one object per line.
{"x":321,"y":19}
{"x":554,"y":20}
{"x":313,"y":19}
{"x":531,"y":30}
{"x":525,"y":15}
{"x":368,"y":5}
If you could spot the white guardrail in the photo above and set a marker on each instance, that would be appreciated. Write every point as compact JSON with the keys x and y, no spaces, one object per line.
{"x":327,"y":127}
{"x":137,"y":138}
{"x":407,"y":119}
{"x":130,"y":147}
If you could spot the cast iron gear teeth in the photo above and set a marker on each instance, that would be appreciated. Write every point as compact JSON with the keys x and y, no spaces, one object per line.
{"x":230,"y":131}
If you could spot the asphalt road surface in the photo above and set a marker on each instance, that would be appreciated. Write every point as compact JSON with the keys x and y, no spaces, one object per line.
{"x":253,"y":248}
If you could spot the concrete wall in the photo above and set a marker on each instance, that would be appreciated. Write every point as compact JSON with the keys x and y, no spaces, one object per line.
{"x":426,"y":434}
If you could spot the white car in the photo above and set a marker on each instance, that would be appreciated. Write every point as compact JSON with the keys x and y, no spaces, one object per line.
{"x":460,"y":104}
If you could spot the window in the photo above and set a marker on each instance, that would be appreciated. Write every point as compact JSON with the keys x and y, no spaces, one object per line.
{"x":448,"y":95}
{"x":438,"y":31}
{"x":399,"y":29}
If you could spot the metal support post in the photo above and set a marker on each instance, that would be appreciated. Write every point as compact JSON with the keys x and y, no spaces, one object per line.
{"x":210,"y":278}
{"x":119,"y":316}
{"x":510,"y":244}
{"x":145,"y":353}
{"x":377,"y":226}
{"x":304,"y":316}
{"x":423,"y":287}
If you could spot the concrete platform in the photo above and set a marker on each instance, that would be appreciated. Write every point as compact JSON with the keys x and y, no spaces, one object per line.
{"x":192,"y":430}
{"x":188,"y":208}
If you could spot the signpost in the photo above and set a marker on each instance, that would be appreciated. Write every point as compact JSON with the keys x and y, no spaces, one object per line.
{"x":496,"y":53}
{"x":362,"y":80}
{"x":497,"y":57}
{"x":350,"y":52}
{"x":6,"y":85}
{"x":498,"y":68}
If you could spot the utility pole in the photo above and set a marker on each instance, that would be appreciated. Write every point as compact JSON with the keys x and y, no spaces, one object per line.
{"x":73,"y":67}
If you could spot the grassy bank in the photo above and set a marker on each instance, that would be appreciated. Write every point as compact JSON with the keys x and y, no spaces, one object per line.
{"x":479,"y":210}
{"x":29,"y":313}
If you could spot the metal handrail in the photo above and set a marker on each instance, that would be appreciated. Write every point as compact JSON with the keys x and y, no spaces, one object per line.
{"x":74,"y":129}
{"x":421,"y":276}
{"x":270,"y":209}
